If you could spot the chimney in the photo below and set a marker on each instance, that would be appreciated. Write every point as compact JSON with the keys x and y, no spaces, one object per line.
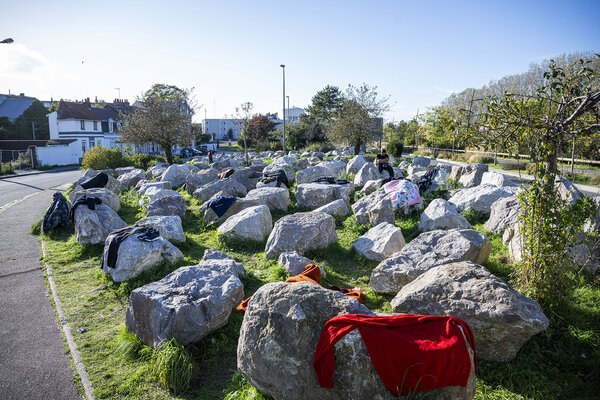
{"x":21,"y":94}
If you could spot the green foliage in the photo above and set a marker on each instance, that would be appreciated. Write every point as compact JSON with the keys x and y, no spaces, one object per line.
{"x":172,"y":365}
{"x":6,"y":168}
{"x":36,"y":227}
{"x":322,"y":147}
{"x":395,"y":147}
{"x":474,"y":217}
{"x":257,"y":129}
{"x":100,"y":157}
{"x":21,"y":128}
{"x":143,"y":161}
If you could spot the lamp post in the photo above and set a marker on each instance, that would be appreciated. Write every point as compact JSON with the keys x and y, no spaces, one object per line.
{"x":288,"y":105}
{"x":7,"y":41}
{"x":283,"y":69}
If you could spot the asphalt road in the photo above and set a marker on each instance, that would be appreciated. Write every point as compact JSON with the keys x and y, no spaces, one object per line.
{"x":17,"y":187}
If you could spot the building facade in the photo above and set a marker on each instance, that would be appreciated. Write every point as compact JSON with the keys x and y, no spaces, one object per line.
{"x":219,"y":128}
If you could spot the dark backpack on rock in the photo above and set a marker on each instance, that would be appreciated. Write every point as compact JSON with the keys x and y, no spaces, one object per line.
{"x":99,"y":181}
{"x":58,"y":213}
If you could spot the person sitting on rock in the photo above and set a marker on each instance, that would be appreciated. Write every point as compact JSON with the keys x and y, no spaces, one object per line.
{"x":383,"y":163}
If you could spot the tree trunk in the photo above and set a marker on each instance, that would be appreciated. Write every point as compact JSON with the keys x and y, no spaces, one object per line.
{"x":357,"y":147}
{"x":552,"y":159}
{"x":168,"y":154}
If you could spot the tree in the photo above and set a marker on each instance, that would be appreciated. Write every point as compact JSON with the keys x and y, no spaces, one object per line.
{"x":359,"y":118}
{"x":21,"y":128}
{"x":313,"y":124}
{"x":564,"y":108}
{"x":230,"y":134}
{"x":164,"y":117}
{"x":240,"y":119}
{"x":258,"y":128}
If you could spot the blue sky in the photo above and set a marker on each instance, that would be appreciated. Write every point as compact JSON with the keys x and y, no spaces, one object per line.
{"x":230,"y":51}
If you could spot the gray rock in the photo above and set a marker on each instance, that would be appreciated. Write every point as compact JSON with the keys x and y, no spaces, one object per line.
{"x":131,"y":178}
{"x":428,"y":250}
{"x":108,"y":197}
{"x":283,"y":321}
{"x":374,"y":209}
{"x":167,"y":205}
{"x":422,"y":161}
{"x":93,"y":226}
{"x":371,"y":186}
{"x":239,"y":205}
{"x":441,"y":214}
{"x":311,"y":174}
{"x":471,"y":175}
{"x":252,"y":223}
{"x":567,"y":190}
{"x":247,"y":177}
{"x":194,"y":181}
{"x":169,"y":227}
{"x":414,"y":169}
{"x":136,"y":256}
{"x":157,"y":170}
{"x":380,"y":242}
{"x":355,"y":164}
{"x":497,"y":179}
{"x":593,"y":224}
{"x":188,"y":304}
{"x":230,"y":187}
{"x":301,"y":232}
{"x":154,"y":193}
{"x":294,"y":263}
{"x":368,"y":172}
{"x":313,"y":195}
{"x":176,"y":174}
{"x":336,"y":167}
{"x":501,"y":319}
{"x":289,"y":171}
{"x":480,"y":198}
{"x":221,"y":259}
{"x":276,"y":198}
{"x":335,"y":208}
{"x":143,"y":186}
{"x":504,"y":212}
{"x":113,"y":185}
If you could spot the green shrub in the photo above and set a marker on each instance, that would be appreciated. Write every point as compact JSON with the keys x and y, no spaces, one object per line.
{"x":172,"y":365}
{"x":144,"y":161}
{"x":395,"y":148}
{"x":479,"y":158}
{"x":6,"y":169}
{"x":177,"y":160}
{"x":322,"y":147}
{"x":100,"y":157}
{"x":531,"y":168}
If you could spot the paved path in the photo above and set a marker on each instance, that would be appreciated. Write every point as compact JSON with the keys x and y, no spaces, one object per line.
{"x":16,"y":187}
{"x":33,"y":359}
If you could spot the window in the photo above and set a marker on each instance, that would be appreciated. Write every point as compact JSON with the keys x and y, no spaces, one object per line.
{"x":82,"y":147}
{"x":82,"y":122}
{"x":110,"y":125}
{"x":95,"y":125}
{"x":92,"y":141}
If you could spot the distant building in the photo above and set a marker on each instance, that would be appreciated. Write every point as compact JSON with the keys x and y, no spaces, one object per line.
{"x":13,"y":106}
{"x":90,"y":126}
{"x":292,"y":115}
{"x":219,"y":128}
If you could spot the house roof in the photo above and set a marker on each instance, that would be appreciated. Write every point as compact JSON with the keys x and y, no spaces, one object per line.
{"x":72,"y":110}
{"x":24,"y":144}
{"x":13,"y":107}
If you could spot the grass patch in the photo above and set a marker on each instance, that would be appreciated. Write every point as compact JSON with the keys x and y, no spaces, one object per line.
{"x":559,"y":363}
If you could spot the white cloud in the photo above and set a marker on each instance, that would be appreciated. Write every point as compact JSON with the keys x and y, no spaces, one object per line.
{"x":17,"y":62}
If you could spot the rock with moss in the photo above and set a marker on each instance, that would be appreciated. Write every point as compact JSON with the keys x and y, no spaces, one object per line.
{"x":502,"y":320}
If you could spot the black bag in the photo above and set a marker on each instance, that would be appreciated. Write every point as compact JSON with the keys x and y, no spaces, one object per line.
{"x":58,"y":213}
{"x":99,"y":181}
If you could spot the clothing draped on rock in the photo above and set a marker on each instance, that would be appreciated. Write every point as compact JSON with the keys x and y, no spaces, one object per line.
{"x":331,"y":180}
{"x":312,"y":274}
{"x":427,"y":179}
{"x":278,"y":176}
{"x":221,"y":204}
{"x":99,"y":181}
{"x":402,"y":193}
{"x":89,"y":201}
{"x":58,"y":213}
{"x":116,"y":237}
{"x":411,"y":353}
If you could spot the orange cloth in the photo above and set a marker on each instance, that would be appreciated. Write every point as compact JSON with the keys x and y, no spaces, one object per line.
{"x":312,"y":274}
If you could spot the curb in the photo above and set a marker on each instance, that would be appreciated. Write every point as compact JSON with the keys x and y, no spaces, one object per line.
{"x":66,"y":328}
{"x":38,"y":172}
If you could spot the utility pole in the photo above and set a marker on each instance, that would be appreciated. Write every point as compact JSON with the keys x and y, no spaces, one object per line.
{"x":283,"y":67}
{"x":33,"y":129}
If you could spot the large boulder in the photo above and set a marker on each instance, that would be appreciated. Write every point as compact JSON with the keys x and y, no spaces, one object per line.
{"x":426,"y":251}
{"x":278,"y":336}
{"x":335,"y":167}
{"x":368,"y":172}
{"x":504,"y":212}
{"x":593,"y":224}
{"x":355,"y":164}
{"x":313,"y":195}
{"x":157,"y":170}
{"x":301,"y":232}
{"x":194,"y":181}
{"x":471,"y":175}
{"x":136,"y":256}
{"x":143,"y":186}
{"x":108,"y":197}
{"x":294,"y":263}
{"x":311,"y":174}
{"x":495,"y":178}
{"x":480,"y":198}
{"x":335,"y":208}
{"x":276,"y":198}
{"x":513,"y":240}
{"x":380,"y":242}
{"x":113,"y":185}
{"x":567,"y":190}
{"x":93,"y":226}
{"x":131,"y":178}
{"x":246,"y":176}
{"x":229,"y":187}
{"x":289,"y":171}
{"x":502,"y":320}
{"x":187,"y":305}
{"x":441,"y":214}
{"x":240,"y":204}
{"x":154,"y":193}
{"x":176,"y":174}
{"x":252,"y":223}
{"x":167,"y":205}
{"x":169,"y":227}
{"x":374,"y":209}
{"x":371,"y":186}
{"x":422,"y":161}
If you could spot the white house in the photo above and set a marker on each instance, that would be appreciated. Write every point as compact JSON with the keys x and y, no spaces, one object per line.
{"x":219,"y":128}
{"x":292,"y":115}
{"x":90,"y":126}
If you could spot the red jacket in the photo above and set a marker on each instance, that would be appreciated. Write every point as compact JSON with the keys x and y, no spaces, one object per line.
{"x":411,"y":353}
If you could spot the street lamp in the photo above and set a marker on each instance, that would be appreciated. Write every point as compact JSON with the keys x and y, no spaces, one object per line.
{"x":7,"y":40}
{"x":283,"y":68}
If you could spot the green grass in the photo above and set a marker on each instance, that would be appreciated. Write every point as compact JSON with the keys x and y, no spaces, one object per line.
{"x":549,"y":366}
